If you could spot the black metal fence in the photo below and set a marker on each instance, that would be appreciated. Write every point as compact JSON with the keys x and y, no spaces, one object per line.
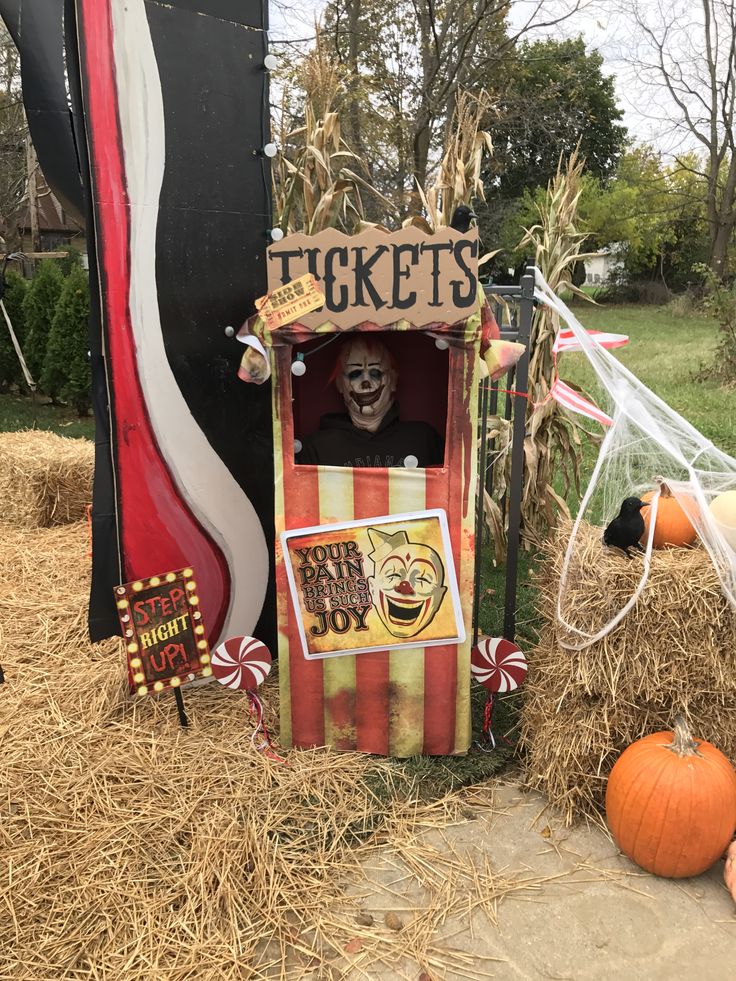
{"x":513,"y":307}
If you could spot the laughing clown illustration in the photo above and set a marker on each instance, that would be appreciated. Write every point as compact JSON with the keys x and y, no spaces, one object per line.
{"x":407,"y":586}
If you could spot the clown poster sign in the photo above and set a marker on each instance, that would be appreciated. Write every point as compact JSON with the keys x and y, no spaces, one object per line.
{"x":374,"y":585}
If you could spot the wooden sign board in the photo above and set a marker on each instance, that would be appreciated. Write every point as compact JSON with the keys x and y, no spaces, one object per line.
{"x":164,"y":635}
{"x":374,"y":585}
{"x":380,"y":277}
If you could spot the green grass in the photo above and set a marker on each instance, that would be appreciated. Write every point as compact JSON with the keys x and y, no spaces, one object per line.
{"x":18,"y":412}
{"x":665,"y":352}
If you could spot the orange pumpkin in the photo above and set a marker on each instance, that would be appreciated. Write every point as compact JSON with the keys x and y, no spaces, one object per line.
{"x":671,"y":803}
{"x":674,"y":526}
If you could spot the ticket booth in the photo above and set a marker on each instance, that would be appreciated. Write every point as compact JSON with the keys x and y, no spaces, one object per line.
{"x":374,"y":562}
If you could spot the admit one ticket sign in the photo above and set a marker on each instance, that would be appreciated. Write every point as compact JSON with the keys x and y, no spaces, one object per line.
{"x":373,"y":585}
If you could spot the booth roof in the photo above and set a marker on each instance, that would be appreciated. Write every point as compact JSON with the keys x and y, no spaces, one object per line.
{"x":480,"y":325}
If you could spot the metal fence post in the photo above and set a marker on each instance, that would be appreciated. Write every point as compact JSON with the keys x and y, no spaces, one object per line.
{"x":526,"y":314}
{"x":479,"y":502}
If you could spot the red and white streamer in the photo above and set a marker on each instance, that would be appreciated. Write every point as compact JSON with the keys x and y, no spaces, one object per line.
{"x":577,"y":403}
{"x":567,"y":341}
{"x":265,"y":745}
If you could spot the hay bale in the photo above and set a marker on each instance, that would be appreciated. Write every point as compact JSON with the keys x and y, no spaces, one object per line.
{"x":45,"y":479}
{"x":674,"y":651}
{"x":134,"y":850}
{"x":44,"y":590}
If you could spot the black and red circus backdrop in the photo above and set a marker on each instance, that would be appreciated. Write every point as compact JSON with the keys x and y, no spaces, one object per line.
{"x":160,"y":153}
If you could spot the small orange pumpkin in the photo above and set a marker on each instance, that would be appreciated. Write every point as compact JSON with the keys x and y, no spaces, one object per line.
{"x":671,"y":803}
{"x":674,"y":527}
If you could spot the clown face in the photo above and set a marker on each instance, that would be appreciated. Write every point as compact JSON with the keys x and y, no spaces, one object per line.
{"x":407,"y":586}
{"x":366,"y":379}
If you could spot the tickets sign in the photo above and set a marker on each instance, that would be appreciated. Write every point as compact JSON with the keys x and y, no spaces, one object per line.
{"x":291,"y":302}
{"x":381,"y":277}
{"x":375,"y":584}
{"x":164,"y":635}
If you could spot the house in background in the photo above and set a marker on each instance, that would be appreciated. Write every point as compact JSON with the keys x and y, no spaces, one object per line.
{"x":599,"y":268}
{"x":56,"y":229}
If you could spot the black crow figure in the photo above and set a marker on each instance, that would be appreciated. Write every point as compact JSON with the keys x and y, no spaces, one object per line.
{"x":625,"y":531}
{"x":461,"y":218}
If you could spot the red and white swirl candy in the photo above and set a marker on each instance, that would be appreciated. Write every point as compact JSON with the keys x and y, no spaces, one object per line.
{"x":498,"y":664}
{"x":241,"y":663}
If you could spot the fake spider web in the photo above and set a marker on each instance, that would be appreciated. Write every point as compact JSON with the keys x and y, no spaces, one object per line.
{"x":646,"y":440}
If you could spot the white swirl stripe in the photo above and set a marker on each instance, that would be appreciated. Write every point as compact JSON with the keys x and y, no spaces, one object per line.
{"x":241,"y":663}
{"x":498,"y":665}
{"x":200,"y":475}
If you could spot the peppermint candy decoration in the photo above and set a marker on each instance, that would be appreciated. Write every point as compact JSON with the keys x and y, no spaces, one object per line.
{"x":498,"y":664}
{"x":241,"y":663}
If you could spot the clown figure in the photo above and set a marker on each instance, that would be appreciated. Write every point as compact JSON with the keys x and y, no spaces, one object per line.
{"x":370,"y":433}
{"x":407,"y":585}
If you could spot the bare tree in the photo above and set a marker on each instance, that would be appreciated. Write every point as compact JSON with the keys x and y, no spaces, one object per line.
{"x":686,"y":50}
{"x":404,"y":63}
{"x":13,"y":130}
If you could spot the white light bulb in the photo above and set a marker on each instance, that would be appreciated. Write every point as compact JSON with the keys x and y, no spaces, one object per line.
{"x":297,"y":446}
{"x":441,"y":344}
{"x":411,"y":462}
{"x":270,"y":62}
{"x":276,"y":234}
{"x":298,"y":368}
{"x":229,"y":331}
{"x":270,"y":150}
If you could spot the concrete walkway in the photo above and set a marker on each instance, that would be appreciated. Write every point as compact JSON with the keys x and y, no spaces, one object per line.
{"x":600,"y":917}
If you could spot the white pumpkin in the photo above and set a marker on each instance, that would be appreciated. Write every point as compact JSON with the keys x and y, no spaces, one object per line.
{"x":723,"y":509}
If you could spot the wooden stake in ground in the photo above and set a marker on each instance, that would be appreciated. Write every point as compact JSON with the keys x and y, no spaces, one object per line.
{"x":183,"y":720}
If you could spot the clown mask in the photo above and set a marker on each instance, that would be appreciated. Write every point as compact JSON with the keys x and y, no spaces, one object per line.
{"x":407,"y":585}
{"x":366,"y":379}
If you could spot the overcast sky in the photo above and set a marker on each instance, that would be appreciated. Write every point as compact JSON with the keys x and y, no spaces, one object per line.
{"x":609,"y":32}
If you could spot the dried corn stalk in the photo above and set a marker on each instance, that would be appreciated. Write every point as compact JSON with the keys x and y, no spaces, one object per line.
{"x":553,"y":443}
{"x":316,"y":185}
{"x":459,"y":178}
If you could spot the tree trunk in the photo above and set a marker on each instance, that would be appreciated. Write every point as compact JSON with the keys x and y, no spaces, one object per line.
{"x":722,"y":216}
{"x":720,"y":240}
{"x":32,"y":166}
{"x":355,"y":136}
{"x":420,"y":162}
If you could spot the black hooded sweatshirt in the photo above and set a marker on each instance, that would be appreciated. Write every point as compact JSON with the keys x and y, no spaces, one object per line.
{"x":338,"y":443}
